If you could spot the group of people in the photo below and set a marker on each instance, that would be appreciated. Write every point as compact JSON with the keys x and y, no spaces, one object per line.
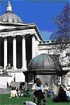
{"x":39,"y":91}
{"x":14,"y":92}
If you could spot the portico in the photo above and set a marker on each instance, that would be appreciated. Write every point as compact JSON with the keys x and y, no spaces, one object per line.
{"x":23,"y":35}
{"x":19,"y":41}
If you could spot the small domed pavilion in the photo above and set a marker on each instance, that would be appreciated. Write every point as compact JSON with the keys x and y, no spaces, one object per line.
{"x":46,"y":67}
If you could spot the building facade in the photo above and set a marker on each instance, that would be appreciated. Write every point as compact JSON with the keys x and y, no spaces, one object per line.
{"x":20,"y":42}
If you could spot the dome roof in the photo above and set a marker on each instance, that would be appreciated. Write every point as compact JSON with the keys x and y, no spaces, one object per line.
{"x":44,"y":62}
{"x":9,"y":16}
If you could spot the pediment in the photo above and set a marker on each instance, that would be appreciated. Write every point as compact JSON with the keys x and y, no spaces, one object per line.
{"x":19,"y":29}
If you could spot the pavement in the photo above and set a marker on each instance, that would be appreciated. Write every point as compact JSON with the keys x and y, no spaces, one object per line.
{"x":4,"y":91}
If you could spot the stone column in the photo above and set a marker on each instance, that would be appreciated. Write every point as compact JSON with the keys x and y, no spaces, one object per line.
{"x":33,"y":46}
{"x":66,"y":79}
{"x":5,"y":52}
{"x":23,"y":53}
{"x":14,"y":52}
{"x":36,"y":53}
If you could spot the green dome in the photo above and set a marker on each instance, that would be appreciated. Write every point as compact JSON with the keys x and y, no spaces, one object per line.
{"x":44,"y":62}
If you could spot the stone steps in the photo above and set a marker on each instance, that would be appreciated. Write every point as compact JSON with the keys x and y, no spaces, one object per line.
{"x":16,"y":84}
{"x":4,"y":91}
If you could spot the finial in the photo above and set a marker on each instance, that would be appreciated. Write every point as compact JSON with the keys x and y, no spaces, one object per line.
{"x":9,"y":3}
{"x":9,"y":7}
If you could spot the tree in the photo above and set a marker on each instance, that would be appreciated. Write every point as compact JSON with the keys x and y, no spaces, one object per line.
{"x":63,"y":25}
{"x":62,"y":39}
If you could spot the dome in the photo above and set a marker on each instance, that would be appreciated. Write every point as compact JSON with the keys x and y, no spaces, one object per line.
{"x":9,"y":16}
{"x":44,"y":62}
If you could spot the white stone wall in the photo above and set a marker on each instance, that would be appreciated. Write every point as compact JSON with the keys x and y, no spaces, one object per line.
{"x":51,"y":80}
{"x":19,"y":77}
{"x":4,"y":80}
{"x":64,"y":59}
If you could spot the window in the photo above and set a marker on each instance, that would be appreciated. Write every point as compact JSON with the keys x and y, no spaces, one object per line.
{"x":30,"y":78}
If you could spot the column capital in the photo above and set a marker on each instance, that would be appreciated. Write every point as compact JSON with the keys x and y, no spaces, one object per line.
{"x":14,"y":36}
{"x":4,"y":37}
{"x":23,"y":36}
{"x":33,"y":36}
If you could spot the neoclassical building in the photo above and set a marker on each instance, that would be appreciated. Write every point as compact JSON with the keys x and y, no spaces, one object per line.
{"x":20,"y":42}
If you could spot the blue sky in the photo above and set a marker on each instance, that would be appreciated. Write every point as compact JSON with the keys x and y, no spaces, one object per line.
{"x":41,"y":12}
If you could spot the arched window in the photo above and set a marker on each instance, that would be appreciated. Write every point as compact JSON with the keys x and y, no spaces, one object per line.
{"x":30,"y":78}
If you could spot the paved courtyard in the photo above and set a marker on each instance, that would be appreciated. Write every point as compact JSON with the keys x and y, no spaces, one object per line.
{"x":4,"y":91}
